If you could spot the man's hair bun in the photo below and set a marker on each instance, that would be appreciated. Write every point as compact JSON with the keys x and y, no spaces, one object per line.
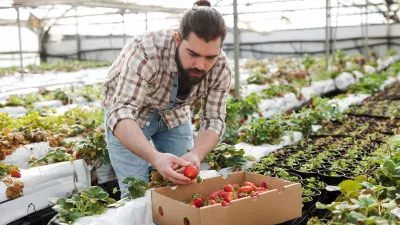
{"x":202,"y":3}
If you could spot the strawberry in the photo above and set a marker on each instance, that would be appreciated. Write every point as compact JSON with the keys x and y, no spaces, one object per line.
{"x":245,"y":189}
{"x":186,"y":221}
{"x":8,"y":152}
{"x":250,"y":184}
{"x":69,"y":151}
{"x":246,"y":117}
{"x":225,"y":204}
{"x":15,"y":173}
{"x":227,"y":197}
{"x":242,"y":121}
{"x":198,"y":202}
{"x":191,"y":172}
{"x":228,"y":188}
{"x":263,"y":184}
{"x":78,"y":155}
{"x":214,"y":195}
{"x":260,"y":114}
{"x":261,"y":189}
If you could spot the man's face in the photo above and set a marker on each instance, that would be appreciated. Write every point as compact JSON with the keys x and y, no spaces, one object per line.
{"x":195,"y":57}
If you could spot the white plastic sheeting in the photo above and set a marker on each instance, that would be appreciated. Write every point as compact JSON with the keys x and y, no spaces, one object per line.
{"x":323,"y":86}
{"x":344,"y":80}
{"x":55,"y":180}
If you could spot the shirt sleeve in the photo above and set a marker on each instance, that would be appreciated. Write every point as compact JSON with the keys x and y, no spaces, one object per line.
{"x":214,"y":105}
{"x":130,"y":92}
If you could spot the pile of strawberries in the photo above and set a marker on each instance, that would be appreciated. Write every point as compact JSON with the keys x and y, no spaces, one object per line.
{"x":228,"y":194}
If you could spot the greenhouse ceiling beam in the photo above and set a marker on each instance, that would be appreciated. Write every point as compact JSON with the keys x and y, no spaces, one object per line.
{"x":104,"y":4}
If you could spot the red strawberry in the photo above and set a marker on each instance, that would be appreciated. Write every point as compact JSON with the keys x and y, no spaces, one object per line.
{"x":191,"y":172}
{"x":15,"y":173}
{"x":245,"y":189}
{"x":250,"y":184}
{"x":228,"y":188}
{"x":186,"y":221}
{"x":198,"y":202}
{"x":300,"y":97}
{"x":246,"y":117}
{"x":225,"y":204}
{"x":242,"y":121}
{"x":69,"y":151}
{"x":260,"y":114}
{"x":214,"y":195}
{"x":78,"y":155}
{"x":261,"y":189}
{"x":8,"y":152}
{"x":263,"y":184}
{"x":228,"y":197}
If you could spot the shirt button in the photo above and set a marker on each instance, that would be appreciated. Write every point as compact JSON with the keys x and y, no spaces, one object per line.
{"x":171,"y":101}
{"x":175,"y":85}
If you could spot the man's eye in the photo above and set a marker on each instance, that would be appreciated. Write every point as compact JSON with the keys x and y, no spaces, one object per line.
{"x":211,"y":57}
{"x":192,"y":54}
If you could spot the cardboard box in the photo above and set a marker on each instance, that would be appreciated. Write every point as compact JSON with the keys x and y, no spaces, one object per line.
{"x":280,"y":204}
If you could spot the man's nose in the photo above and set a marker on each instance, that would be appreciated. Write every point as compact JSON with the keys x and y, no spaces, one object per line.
{"x":200,"y":63}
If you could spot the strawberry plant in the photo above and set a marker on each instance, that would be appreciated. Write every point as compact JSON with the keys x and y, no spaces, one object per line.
{"x":224,"y":156}
{"x":53,"y":155}
{"x":93,"y":201}
{"x":94,"y":146}
{"x":261,"y":131}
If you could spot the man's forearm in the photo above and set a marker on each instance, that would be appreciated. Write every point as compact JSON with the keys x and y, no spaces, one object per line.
{"x":205,"y":142}
{"x":131,"y":136}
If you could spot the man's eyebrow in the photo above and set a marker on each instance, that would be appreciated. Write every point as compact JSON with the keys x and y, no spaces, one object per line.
{"x":197,"y":54}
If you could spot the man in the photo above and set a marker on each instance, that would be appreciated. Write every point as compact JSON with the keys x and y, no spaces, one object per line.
{"x":150,"y":88}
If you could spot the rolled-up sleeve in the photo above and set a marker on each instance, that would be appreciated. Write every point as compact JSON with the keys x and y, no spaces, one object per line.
{"x":130,"y":92}
{"x":214,"y":105}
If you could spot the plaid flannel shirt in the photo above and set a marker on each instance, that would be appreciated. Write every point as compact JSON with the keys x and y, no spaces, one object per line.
{"x":141,"y":79}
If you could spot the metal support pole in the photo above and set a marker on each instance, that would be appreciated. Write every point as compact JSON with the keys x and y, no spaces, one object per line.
{"x":366,"y":28}
{"x":388,"y":25}
{"x":145,"y":15}
{"x":327,"y":34}
{"x":20,"y":45}
{"x":78,"y":40}
{"x":236,"y":48}
{"x":123,"y":27}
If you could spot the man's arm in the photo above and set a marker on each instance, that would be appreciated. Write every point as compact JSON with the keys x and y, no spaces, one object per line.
{"x":131,"y":136}
{"x":212,"y":117}
{"x":130,"y":92}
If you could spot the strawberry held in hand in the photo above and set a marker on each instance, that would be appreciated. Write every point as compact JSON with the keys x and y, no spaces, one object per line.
{"x":15,"y":173}
{"x":191,"y":172}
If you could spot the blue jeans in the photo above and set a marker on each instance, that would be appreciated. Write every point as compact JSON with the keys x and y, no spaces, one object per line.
{"x":126,"y":164}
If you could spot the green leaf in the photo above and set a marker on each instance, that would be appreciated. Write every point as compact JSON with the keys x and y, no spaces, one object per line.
{"x":354,"y":217}
{"x":92,"y":191}
{"x":389,"y":166}
{"x":349,"y":186}
{"x":366,"y":201}
{"x":376,"y":220}
{"x":75,"y":214}
{"x":390,"y":205}
{"x":101,"y":195}
{"x":368,"y":185}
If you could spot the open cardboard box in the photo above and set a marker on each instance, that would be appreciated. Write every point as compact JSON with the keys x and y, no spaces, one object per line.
{"x":280,"y":204}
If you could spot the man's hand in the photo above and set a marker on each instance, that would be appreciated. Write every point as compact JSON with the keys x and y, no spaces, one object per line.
{"x":165,"y":162}
{"x":192,"y":158}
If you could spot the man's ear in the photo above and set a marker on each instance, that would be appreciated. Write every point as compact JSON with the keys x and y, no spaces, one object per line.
{"x":177,"y":39}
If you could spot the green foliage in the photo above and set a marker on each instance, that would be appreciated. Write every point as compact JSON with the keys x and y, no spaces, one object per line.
{"x":224,"y":156}
{"x":93,"y":201}
{"x":136,"y":187}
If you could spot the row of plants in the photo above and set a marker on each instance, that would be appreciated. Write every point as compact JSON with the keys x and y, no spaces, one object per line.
{"x":90,"y":93}
{"x":368,"y":199}
{"x":37,"y":126}
{"x":67,"y":66}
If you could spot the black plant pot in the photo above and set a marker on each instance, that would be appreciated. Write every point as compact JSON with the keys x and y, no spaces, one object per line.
{"x":291,"y":174}
{"x":308,"y":205}
{"x":310,"y":173}
{"x":330,"y":180}
{"x":315,"y":196}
